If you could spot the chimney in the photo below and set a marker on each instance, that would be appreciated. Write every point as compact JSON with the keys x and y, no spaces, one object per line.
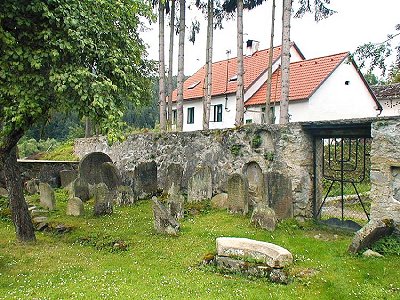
{"x":252,"y":47}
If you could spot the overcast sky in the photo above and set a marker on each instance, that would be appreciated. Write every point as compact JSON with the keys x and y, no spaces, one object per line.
{"x":356,"y":22}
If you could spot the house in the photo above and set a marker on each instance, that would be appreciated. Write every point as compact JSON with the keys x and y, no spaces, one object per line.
{"x":389,"y":97}
{"x":324,"y":88}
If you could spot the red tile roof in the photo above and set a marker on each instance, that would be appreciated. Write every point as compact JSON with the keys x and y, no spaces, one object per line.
{"x":305,"y":78}
{"x":254,"y":66}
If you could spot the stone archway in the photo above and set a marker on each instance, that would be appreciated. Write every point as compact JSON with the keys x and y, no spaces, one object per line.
{"x":255,"y":177}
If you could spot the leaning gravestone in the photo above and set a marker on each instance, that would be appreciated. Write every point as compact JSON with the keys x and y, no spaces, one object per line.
{"x":175,"y":202}
{"x":164,"y":222}
{"x":238,"y":198}
{"x":110,"y":175}
{"x":200,"y":185}
{"x":145,"y":178}
{"x":67,"y":176}
{"x":75,"y":207}
{"x":32,"y":186}
{"x":80,"y":189}
{"x":90,"y":167}
{"x":47,"y":197}
{"x":103,"y":199}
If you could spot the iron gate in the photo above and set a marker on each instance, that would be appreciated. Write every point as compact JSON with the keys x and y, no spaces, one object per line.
{"x":341,"y":166}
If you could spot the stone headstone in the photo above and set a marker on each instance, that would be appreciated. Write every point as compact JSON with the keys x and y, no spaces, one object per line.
{"x":238,"y":198}
{"x":279,"y":194}
{"x":220,"y":201}
{"x":271,"y":254}
{"x":125,"y":195}
{"x":370,"y":233}
{"x":110,"y":175}
{"x":173,"y":177}
{"x":200,"y":185}
{"x":80,"y":189}
{"x":146,"y":179}
{"x":67,"y":177}
{"x":90,"y":167}
{"x":164,"y":222}
{"x":103,"y":200}
{"x":264,"y":217}
{"x":175,"y":201}
{"x":255,"y":178}
{"x":32,"y":186}
{"x":75,"y":207}
{"x":3,"y":192}
{"x":47,"y":197}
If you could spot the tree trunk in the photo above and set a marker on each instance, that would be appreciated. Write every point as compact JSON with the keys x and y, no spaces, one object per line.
{"x":161,"y":66}
{"x":240,"y":90}
{"x":208,"y":71}
{"x":181,"y":65}
{"x":19,"y":209}
{"x":284,"y":101}
{"x":171,"y":63}
{"x":269,"y":114}
{"x":88,"y":127}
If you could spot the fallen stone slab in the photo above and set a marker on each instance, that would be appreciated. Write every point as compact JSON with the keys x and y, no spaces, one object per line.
{"x":370,"y":253}
{"x":268,"y":253}
{"x":370,"y":233}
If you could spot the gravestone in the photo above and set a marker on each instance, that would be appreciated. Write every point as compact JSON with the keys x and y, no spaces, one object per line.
{"x":67,"y":176}
{"x":173,"y":177}
{"x":200,"y":184}
{"x":32,"y":186}
{"x":90,"y":167}
{"x":125,"y":195}
{"x":47,"y":197}
{"x":175,"y":201}
{"x":279,"y":194}
{"x":75,"y":207}
{"x":145,"y":179}
{"x":103,"y":199}
{"x":164,"y":222}
{"x":264,"y":217}
{"x":80,"y":189}
{"x":3,"y":192}
{"x":110,"y":175}
{"x":238,"y":198}
{"x":220,"y":201}
{"x":255,"y":179}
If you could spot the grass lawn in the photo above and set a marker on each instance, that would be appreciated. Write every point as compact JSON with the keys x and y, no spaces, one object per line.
{"x":81,"y":264}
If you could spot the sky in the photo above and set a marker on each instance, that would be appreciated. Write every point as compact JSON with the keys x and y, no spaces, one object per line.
{"x":355,"y":23}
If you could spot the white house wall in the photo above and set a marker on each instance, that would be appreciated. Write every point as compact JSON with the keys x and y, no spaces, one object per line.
{"x":228,"y":113}
{"x":390,"y":111}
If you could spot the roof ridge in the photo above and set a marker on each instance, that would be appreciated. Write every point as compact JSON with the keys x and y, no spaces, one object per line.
{"x":316,"y":58}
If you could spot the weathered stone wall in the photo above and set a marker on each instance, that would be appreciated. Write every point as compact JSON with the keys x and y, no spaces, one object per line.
{"x":385,"y":170}
{"x":285,"y":150}
{"x":45,"y":171}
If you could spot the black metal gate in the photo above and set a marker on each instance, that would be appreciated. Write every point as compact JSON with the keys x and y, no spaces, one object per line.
{"x":341,"y":165}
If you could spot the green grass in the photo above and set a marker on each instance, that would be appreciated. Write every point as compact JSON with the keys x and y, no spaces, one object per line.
{"x":64,"y":151}
{"x":161,"y":267}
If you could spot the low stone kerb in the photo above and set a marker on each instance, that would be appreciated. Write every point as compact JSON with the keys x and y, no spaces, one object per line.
{"x":271,"y":254}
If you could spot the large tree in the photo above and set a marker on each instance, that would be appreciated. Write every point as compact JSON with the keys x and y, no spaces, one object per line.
{"x":71,"y":55}
{"x":161,"y":65}
{"x":171,"y":62}
{"x":181,"y":64}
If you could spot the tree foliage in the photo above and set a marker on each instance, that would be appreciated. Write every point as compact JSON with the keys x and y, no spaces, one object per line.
{"x":70,"y":55}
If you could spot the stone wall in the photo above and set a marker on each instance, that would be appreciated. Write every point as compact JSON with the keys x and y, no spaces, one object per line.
{"x":385,"y":170}
{"x":44,"y":170}
{"x":284,"y":150}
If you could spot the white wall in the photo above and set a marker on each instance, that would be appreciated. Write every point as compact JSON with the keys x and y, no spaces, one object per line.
{"x":390,"y":111}
{"x":228,"y":113}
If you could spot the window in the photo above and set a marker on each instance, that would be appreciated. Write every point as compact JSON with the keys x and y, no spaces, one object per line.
{"x":174,"y":116}
{"x":249,"y":121}
{"x":233,"y":78}
{"x":190,"y":115}
{"x":217,"y":113}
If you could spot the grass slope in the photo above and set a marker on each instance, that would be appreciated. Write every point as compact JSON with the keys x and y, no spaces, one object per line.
{"x":80,"y":265}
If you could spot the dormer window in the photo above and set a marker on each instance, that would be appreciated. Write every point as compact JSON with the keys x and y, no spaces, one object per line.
{"x":233,"y":78}
{"x":193,"y":85}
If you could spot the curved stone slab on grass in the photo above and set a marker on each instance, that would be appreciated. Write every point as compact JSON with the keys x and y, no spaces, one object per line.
{"x":90,"y":167}
{"x":273,"y":255}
